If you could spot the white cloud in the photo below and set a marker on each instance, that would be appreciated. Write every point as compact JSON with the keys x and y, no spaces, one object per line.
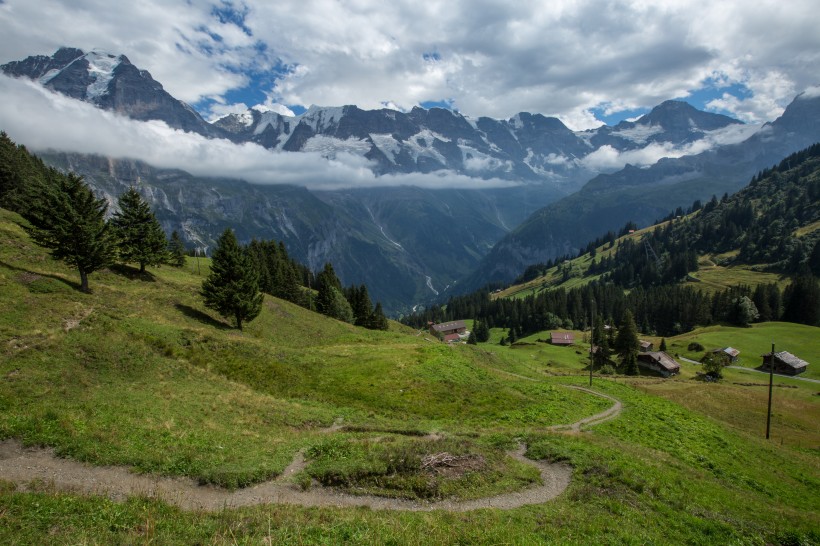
{"x":608,"y":159}
{"x":557,"y":57}
{"x":44,"y":120}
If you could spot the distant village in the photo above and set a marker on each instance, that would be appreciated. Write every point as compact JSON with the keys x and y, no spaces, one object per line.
{"x":659,"y":362}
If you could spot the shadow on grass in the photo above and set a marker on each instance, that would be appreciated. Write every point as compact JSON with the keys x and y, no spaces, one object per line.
{"x":35,"y":274}
{"x":204,"y":318}
{"x":132,"y":273}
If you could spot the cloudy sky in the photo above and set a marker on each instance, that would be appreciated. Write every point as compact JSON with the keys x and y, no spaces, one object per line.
{"x":586,"y":62}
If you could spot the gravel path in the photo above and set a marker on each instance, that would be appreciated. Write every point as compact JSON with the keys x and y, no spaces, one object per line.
{"x":39,"y":469}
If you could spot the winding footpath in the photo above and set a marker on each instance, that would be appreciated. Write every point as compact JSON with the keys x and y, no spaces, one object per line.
{"x":36,"y":468}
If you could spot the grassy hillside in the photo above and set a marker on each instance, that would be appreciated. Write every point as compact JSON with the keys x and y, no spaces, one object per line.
{"x":139,"y":373}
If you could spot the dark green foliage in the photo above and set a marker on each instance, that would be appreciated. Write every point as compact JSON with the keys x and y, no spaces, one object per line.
{"x":279,"y":275}
{"x":713,"y":364}
{"x":70,"y":221}
{"x":232,"y":287}
{"x":23,"y":177}
{"x":361,"y":305}
{"x":471,"y":339}
{"x":694,"y":346}
{"x":600,"y":341}
{"x":377,"y":320}
{"x":140,"y":238}
{"x":802,"y":301}
{"x":482,"y":332}
{"x":662,"y":346}
{"x":627,"y":344}
{"x":327,"y":284}
{"x":176,"y":250}
{"x":745,"y":311}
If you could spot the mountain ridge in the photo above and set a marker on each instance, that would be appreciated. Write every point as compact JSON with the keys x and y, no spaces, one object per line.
{"x":408,"y":256}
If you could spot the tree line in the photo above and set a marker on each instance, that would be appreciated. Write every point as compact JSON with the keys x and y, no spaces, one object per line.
{"x":65,"y":217}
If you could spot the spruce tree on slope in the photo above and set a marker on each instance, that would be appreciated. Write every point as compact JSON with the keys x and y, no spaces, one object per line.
{"x":377,"y":320}
{"x":232,"y":287}
{"x":626,"y":344}
{"x":70,"y":221}
{"x":140,"y":238}
{"x":176,"y":250}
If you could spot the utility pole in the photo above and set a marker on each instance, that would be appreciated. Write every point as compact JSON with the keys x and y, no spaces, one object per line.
{"x":771,"y":381}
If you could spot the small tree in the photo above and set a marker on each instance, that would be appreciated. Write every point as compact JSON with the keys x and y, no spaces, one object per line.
{"x":140,"y":238}
{"x":601,"y":341}
{"x":70,"y":221}
{"x":471,"y":339}
{"x":377,"y":320}
{"x":176,"y":250}
{"x":232,"y":287}
{"x":745,"y":312}
{"x":713,"y":364}
{"x":663,"y":345}
{"x":626,"y":344}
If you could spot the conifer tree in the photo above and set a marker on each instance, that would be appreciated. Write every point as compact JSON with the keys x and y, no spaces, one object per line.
{"x":377,"y":320}
{"x":139,"y":236}
{"x":663,"y":345}
{"x":232,"y":287}
{"x":70,"y":221}
{"x":626,"y":344}
{"x":176,"y":250}
{"x":601,"y":341}
{"x":329,"y":289}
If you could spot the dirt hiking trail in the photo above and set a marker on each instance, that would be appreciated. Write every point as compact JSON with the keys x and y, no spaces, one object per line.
{"x":37,"y":469}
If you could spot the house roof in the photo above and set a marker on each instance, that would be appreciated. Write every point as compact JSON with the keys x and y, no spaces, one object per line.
{"x":453,"y":325}
{"x":789,"y":359}
{"x":562,"y":337}
{"x":662,"y":359}
{"x":646,"y":343}
{"x":728,"y":350}
{"x":452,"y":337}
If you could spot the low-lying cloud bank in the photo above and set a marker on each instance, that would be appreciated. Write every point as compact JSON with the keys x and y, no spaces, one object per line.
{"x":608,"y":159}
{"x":43,"y":120}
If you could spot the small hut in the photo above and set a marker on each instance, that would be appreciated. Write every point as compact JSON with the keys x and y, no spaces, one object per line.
{"x":784,"y":363}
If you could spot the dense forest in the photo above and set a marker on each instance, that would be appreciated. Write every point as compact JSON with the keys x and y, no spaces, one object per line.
{"x":757,"y":226}
{"x":58,"y":203}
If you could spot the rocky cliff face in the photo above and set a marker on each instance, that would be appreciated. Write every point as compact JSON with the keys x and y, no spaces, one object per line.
{"x":407,"y":244}
{"x":644,"y":195}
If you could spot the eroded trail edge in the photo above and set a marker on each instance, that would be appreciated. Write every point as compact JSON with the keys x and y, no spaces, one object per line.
{"x":39,"y":469}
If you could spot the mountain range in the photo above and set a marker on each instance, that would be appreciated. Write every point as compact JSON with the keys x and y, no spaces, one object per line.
{"x":411,"y":244}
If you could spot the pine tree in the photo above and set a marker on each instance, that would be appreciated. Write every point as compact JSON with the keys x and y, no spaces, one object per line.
{"x":377,"y":320}
{"x":601,"y":341}
{"x":802,"y":301}
{"x":232,"y":287}
{"x":327,"y":286}
{"x":139,"y":236}
{"x":663,"y":345}
{"x":70,"y":221}
{"x":626,"y":344}
{"x":176,"y":250}
{"x":359,"y":301}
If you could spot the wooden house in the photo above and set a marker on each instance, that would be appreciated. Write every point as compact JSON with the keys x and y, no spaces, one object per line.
{"x":562,"y":338}
{"x":730,"y":352}
{"x":447,"y":328}
{"x":452,"y":338}
{"x":660,"y":362}
{"x":784,"y":363}
{"x":646,"y":346}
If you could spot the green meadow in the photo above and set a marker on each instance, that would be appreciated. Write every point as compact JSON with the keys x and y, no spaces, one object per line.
{"x":140,"y":374}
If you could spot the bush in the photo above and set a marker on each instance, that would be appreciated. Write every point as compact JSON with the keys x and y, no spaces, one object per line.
{"x":607,"y":369}
{"x":695,"y":346}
